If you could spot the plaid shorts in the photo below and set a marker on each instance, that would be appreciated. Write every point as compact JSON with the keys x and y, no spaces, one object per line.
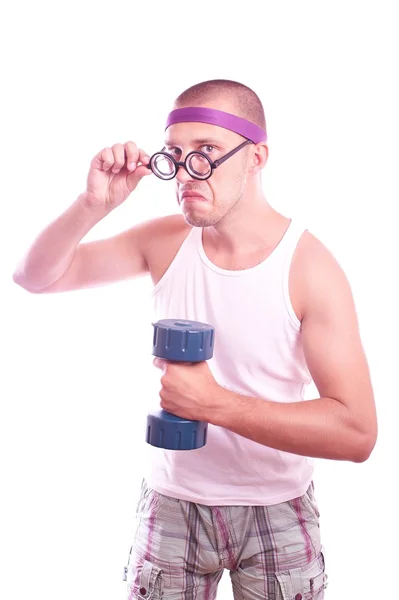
{"x":181,"y":549}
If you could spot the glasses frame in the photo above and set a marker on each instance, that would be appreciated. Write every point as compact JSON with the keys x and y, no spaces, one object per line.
{"x":177,"y":164}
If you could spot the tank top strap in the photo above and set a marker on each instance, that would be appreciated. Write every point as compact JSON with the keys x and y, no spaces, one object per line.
{"x":291,"y":238}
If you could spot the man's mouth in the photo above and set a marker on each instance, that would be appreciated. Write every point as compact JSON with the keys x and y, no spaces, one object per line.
{"x":191,"y":196}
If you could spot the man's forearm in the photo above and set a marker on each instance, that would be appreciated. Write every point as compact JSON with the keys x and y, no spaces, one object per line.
{"x":53,"y":250}
{"x":321,"y":428}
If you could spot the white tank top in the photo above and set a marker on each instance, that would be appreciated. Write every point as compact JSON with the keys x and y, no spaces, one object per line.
{"x":257,"y":352}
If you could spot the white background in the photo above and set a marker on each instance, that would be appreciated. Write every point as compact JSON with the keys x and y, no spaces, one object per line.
{"x":77,"y":373}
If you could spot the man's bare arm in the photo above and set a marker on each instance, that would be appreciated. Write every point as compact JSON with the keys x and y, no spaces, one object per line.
{"x":56,"y":261}
{"x":85,"y":265}
{"x":342,"y":423}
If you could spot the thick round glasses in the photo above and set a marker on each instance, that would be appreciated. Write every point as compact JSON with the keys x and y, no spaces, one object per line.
{"x":197,"y":164}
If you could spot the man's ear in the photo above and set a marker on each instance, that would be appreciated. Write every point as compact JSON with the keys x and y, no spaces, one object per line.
{"x":260,"y":156}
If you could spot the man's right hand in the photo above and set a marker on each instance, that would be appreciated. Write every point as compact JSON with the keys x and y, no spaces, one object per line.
{"x":114,"y":174}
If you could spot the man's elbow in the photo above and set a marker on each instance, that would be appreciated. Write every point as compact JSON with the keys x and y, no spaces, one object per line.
{"x":363,"y":447}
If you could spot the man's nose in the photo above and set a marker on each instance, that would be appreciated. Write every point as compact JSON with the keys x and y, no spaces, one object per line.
{"x":182,"y":175}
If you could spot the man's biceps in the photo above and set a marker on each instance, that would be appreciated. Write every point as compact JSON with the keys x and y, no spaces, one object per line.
{"x":335,"y":358}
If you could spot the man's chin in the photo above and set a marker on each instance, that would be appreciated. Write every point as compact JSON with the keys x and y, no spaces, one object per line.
{"x":197,"y":221}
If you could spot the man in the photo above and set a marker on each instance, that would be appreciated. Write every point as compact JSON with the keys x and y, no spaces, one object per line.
{"x":284,"y":316}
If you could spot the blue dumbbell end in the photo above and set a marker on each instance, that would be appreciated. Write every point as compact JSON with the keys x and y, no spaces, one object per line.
{"x":169,"y":432}
{"x":181,"y":340}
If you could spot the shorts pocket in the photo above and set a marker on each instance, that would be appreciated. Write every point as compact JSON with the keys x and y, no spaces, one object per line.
{"x":306,"y":583}
{"x":144,"y":580}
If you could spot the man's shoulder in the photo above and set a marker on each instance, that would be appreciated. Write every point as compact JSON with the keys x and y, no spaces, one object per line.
{"x":154,"y":233}
{"x":161,"y":242}
{"x":316,"y":272}
{"x":167,"y":226}
{"x":312,"y":252}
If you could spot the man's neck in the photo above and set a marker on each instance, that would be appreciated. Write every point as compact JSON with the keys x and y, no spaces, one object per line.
{"x":250,"y":225}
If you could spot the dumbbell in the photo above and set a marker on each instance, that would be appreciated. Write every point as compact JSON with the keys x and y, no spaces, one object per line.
{"x":182,"y":341}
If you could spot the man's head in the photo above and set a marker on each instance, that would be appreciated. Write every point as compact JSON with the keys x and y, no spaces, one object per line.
{"x":237,"y":178}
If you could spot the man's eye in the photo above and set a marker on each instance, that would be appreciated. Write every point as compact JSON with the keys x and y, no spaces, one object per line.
{"x":207,"y":148}
{"x":174,"y":151}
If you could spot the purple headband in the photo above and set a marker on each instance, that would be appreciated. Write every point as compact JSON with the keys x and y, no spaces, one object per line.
{"x":217,"y":117}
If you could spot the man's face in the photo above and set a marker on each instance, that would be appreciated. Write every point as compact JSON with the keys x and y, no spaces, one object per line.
{"x":205,"y":203}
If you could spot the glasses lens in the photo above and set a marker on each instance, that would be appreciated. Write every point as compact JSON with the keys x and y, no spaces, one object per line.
{"x":199,"y":166}
{"x":163,"y":166}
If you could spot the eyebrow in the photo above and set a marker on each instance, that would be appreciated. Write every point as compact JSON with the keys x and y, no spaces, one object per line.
{"x":198,"y":142}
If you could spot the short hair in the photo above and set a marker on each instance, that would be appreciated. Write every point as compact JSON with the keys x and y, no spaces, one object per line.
{"x":247,"y":103}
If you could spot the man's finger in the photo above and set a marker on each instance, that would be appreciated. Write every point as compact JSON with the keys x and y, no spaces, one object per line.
{"x":159,"y":363}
